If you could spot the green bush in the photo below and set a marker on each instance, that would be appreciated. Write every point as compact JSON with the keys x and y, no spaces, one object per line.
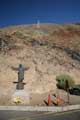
{"x":61,"y":81}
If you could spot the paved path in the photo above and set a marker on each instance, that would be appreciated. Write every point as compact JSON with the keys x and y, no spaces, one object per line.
{"x":22,"y":115}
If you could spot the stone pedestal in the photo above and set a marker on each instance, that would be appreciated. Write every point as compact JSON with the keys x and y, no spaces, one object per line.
{"x":21,"y":97}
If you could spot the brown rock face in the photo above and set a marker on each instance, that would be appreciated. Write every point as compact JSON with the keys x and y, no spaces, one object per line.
{"x":48,"y":51}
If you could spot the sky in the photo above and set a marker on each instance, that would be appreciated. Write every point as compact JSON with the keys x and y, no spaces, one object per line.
{"x":16,"y":12}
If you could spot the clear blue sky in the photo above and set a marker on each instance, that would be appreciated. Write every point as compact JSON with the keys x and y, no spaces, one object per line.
{"x":13,"y":12}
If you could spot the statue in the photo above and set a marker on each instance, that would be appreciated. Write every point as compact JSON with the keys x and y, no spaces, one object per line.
{"x":20,"y":69}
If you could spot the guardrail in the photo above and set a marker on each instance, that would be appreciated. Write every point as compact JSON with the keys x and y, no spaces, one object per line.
{"x":41,"y":108}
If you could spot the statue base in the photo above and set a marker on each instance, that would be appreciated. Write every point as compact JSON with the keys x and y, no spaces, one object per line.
{"x":21,"y":97}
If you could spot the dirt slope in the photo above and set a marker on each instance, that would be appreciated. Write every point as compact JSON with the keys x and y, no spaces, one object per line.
{"x":48,"y":51}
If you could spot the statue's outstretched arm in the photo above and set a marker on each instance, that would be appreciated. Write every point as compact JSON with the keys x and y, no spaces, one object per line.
{"x":14,"y":68}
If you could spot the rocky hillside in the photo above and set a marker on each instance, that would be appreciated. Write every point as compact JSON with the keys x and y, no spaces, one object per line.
{"x":48,"y":50}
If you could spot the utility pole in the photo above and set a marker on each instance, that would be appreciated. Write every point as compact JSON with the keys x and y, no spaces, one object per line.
{"x":67,"y":89}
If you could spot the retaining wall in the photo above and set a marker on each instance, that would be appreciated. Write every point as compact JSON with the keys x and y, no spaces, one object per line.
{"x":36,"y":108}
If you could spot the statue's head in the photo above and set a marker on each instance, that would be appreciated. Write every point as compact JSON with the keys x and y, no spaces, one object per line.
{"x":20,"y":65}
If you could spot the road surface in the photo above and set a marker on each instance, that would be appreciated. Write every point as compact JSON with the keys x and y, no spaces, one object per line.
{"x":18,"y":115}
